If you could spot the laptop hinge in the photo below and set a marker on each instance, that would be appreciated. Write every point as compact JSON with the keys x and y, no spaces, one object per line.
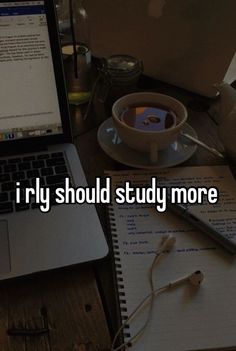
{"x":22,"y":149}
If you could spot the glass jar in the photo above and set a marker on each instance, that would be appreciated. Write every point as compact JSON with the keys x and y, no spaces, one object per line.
{"x":119,"y":76}
{"x":77,"y":55}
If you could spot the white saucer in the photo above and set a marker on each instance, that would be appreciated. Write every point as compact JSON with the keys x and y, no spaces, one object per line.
{"x":112,"y":145}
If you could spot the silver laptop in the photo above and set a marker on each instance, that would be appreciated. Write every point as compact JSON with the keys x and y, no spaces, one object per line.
{"x":35,"y":142}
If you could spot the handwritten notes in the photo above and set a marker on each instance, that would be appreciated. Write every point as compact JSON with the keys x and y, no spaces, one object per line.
{"x":184,"y":318}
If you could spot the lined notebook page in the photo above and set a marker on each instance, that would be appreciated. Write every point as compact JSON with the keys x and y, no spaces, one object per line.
{"x":184,"y":318}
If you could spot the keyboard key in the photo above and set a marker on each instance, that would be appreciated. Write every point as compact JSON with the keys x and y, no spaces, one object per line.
{"x":33,"y":181}
{"x":57,"y":154}
{"x":25,"y":183}
{"x":43,"y":157}
{"x":34,"y":173}
{"x":4,"y":177}
{"x":8,"y":186}
{"x":34,"y":205}
{"x":38,"y":164}
{"x":54,"y":187}
{"x":28,"y":158}
{"x":3,"y":162}
{"x":10,"y":168}
{"x":18,"y":176}
{"x":13,"y":195}
{"x":14,"y":160}
{"x":6,"y":207}
{"x":55,"y":162}
{"x":3,"y":197}
{"x":24,"y":166}
{"x":47,"y":171}
{"x":59,"y":178}
{"x":53,"y":202}
{"x":22,"y":207}
{"x":60,"y":169}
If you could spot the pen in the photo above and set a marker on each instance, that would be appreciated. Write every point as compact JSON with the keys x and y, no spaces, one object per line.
{"x":182,"y":210}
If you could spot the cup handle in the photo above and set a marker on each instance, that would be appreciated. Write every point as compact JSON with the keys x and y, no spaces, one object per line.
{"x":153,"y":153}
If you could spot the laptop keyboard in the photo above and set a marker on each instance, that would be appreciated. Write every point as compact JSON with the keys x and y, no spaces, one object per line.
{"x":51,"y":168}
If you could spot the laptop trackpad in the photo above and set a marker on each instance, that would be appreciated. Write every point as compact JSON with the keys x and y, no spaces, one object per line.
{"x":5,"y":265}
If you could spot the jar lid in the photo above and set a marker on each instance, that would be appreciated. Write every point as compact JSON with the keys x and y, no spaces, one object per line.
{"x":123,"y":65}
{"x":68,"y":50}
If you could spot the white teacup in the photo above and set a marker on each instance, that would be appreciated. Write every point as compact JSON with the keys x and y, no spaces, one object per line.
{"x":143,"y":140}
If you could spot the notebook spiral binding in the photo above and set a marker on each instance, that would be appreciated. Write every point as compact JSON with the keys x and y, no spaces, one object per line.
{"x":118,"y":269}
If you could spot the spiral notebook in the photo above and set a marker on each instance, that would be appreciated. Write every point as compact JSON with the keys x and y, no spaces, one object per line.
{"x":184,"y":318}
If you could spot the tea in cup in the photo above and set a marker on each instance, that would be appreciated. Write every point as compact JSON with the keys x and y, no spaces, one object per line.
{"x":148,"y":122}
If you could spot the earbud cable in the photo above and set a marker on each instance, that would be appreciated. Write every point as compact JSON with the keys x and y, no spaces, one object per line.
{"x":142,"y":304}
{"x":148,"y":299}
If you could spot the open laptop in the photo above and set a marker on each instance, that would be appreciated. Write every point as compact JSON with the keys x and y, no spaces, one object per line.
{"x":35,"y":141}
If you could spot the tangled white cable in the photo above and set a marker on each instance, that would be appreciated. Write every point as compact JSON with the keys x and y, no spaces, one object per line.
{"x":194,"y":278}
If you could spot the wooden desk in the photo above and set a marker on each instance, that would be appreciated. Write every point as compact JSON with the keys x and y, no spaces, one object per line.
{"x":76,"y":303}
{"x":67,"y":300}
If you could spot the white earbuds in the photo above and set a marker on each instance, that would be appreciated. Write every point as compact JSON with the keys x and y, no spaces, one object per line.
{"x":167,"y":243}
{"x":195,"y":279}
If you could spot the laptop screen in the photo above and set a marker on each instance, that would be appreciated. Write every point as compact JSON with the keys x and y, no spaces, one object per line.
{"x":29,"y":104}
